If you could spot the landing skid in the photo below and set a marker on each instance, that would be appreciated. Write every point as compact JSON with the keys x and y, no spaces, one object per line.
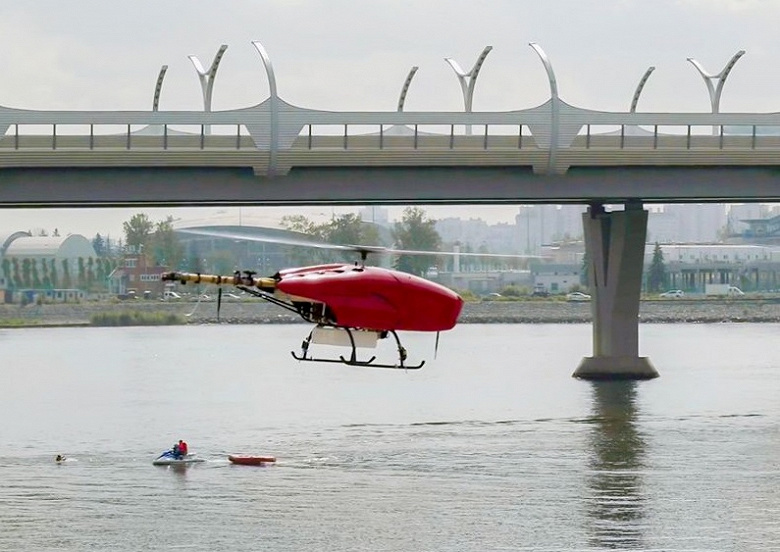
{"x":352,"y":360}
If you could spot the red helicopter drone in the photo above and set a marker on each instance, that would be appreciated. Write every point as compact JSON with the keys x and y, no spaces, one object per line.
{"x":351,"y":305}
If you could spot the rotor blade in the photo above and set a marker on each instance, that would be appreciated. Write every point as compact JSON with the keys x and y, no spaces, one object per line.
{"x":461,"y":254}
{"x":362,"y":249}
{"x":266,"y":239}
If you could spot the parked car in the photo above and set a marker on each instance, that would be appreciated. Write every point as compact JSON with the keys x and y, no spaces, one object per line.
{"x":673,"y":293}
{"x":577,"y":296}
{"x":540,"y":293}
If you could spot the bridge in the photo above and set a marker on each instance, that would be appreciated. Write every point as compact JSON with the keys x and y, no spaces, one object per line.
{"x":278,"y":154}
{"x":275,"y":153}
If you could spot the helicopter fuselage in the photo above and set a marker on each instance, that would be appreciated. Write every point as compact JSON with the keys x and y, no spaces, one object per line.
{"x":374,"y":298}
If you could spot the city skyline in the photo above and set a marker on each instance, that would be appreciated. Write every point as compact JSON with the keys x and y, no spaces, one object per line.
{"x":530,"y":228}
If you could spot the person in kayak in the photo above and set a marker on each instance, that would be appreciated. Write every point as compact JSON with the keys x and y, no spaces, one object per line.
{"x":60,"y":458}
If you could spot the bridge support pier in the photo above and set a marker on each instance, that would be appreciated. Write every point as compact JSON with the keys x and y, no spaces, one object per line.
{"x":615,"y":247}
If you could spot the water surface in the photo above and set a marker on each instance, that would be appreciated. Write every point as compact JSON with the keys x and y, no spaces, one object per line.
{"x":491,"y":446}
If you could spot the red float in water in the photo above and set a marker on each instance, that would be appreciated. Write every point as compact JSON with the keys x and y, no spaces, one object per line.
{"x":252,"y":460}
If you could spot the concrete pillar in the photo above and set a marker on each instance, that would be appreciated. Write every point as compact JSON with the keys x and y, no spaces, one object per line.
{"x":615,"y":243}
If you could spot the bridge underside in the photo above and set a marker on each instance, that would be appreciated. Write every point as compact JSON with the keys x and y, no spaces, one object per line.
{"x":173,"y":186}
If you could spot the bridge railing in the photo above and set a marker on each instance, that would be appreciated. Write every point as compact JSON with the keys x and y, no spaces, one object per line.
{"x":390,"y":136}
{"x":129,"y":137}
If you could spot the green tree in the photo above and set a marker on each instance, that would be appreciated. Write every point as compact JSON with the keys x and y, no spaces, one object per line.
{"x":82,"y":273}
{"x":27,"y":273}
{"x":106,"y":266}
{"x":17,"y":273}
{"x":90,"y":272}
{"x":348,"y":229}
{"x":511,"y":291}
{"x":7,"y":272}
{"x":46,"y":279}
{"x":66,"y":279}
{"x":99,"y":245}
{"x":300,"y":224}
{"x":416,"y":232}
{"x":656,"y":274}
{"x":53,"y":274}
{"x":102,"y":270}
{"x":36,"y":279}
{"x":165,"y":247}
{"x":138,"y":231}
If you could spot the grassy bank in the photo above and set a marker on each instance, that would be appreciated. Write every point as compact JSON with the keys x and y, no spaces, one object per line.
{"x":136,"y":318}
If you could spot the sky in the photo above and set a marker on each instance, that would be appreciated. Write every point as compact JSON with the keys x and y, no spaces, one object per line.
{"x":354,"y":55}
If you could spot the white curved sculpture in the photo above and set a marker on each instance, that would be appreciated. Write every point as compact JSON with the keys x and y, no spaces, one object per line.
{"x":468,"y":80}
{"x":273,"y":145}
{"x":716,"y":91}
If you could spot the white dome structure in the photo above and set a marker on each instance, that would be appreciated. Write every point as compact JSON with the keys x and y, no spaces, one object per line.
{"x":47,"y":253}
{"x":49,"y":247}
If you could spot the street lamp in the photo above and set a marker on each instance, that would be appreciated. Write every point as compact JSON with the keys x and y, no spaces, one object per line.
{"x":468,"y":79}
{"x":405,"y":88}
{"x":158,"y":88}
{"x":640,"y":87}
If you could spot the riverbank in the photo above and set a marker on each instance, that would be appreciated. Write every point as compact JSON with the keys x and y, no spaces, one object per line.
{"x":253,"y":311}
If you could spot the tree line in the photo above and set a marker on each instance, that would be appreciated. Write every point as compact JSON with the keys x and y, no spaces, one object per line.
{"x":158,"y":243}
{"x":90,"y":273}
{"x":414,"y":232}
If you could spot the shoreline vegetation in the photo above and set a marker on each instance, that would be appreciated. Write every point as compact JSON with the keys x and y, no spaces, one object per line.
{"x":141,"y":312}
{"x":136,"y":318}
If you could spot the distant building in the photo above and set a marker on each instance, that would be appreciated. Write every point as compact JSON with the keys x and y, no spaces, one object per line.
{"x":694,"y":223}
{"x":138,"y":276}
{"x":763,"y":229}
{"x":50,"y":265}
{"x":556,"y":278}
{"x":488,"y":281}
{"x":691,"y":267}
{"x":538,"y":224}
{"x":739,"y":215}
{"x":662,"y":227}
{"x":565,"y":252}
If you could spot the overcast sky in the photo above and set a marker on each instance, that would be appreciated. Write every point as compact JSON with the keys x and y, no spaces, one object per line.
{"x":355,"y":55}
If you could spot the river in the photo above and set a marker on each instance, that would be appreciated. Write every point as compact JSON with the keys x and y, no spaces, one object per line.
{"x":490,"y":446}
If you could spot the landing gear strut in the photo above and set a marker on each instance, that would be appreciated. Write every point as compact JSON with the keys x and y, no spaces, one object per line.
{"x":353,"y":360}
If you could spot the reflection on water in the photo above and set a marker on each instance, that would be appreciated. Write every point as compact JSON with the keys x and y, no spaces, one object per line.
{"x":617,"y":505}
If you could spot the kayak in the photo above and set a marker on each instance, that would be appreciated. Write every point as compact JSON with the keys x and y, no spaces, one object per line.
{"x":167,"y":458}
{"x":252,"y":460}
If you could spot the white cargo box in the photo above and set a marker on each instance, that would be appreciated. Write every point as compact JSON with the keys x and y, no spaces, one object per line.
{"x":365,"y":339}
